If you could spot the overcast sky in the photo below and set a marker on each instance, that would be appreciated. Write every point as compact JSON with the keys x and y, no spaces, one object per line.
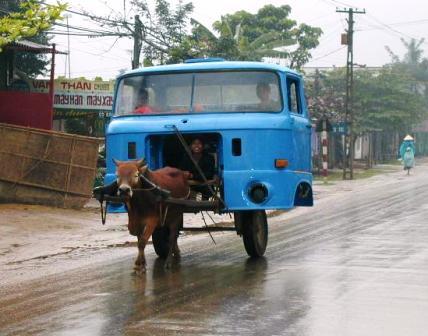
{"x":385,"y":22}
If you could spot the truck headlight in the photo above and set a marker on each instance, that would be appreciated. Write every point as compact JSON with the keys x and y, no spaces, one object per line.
{"x":258,"y":193}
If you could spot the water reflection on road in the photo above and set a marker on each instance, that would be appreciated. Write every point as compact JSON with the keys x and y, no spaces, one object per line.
{"x":355,"y":266}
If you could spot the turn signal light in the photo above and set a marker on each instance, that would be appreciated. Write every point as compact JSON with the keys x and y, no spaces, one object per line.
{"x":281,"y":163}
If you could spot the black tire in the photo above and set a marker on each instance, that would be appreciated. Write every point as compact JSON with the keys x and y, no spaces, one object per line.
{"x":160,"y":239}
{"x":255,"y":232}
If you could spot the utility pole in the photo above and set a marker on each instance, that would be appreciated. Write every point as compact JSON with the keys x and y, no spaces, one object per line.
{"x":68,"y":59}
{"x":138,"y":41}
{"x":316,"y":107}
{"x":348,"y":145}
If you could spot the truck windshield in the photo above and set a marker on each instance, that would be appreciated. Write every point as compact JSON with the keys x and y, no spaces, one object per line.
{"x":232,"y":91}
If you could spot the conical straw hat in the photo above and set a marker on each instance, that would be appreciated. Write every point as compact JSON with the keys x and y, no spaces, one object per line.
{"x":408,"y":137}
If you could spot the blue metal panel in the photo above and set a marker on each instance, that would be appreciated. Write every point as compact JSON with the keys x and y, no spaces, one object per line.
{"x":210,"y":66}
{"x":264,"y":137}
{"x":281,"y":187}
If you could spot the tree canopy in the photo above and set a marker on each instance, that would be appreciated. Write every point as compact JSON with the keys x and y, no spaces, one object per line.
{"x":245,"y":36}
{"x":161,"y":34}
{"x":394,"y":97}
{"x":28,"y":21}
{"x":383,"y":99}
{"x":157,"y":30}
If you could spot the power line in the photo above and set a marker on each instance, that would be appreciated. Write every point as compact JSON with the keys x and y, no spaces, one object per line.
{"x":98,"y":70}
{"x":60,"y":32}
{"x":111,"y":47}
{"x":390,"y":28}
{"x":83,"y":28}
{"x":334,"y":3}
{"x":96,"y":33}
{"x":92,"y":17}
{"x":331,"y":34}
{"x":328,"y":54}
{"x":317,"y":18}
{"x":93,"y":54}
{"x":341,"y":3}
{"x":404,"y":23}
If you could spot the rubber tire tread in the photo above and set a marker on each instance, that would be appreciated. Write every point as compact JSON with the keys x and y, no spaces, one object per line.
{"x":249,"y":233}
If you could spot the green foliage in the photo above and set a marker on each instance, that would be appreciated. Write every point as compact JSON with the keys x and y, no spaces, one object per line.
{"x":29,"y":64}
{"x":31,"y":19}
{"x":76,"y":126}
{"x":326,"y":94}
{"x":33,"y":64}
{"x":161,"y":34}
{"x":163,"y":29}
{"x":383,"y":99}
{"x":246,"y":36}
{"x":415,"y":66}
{"x":386,"y":101}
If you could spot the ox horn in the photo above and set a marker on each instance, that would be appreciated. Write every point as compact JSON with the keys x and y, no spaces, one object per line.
{"x":141,"y":163}
{"x":117,"y":162}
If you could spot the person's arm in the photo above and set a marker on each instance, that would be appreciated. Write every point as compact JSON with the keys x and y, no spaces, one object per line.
{"x":208,"y":166}
{"x":186,"y":165}
{"x":412,"y":144}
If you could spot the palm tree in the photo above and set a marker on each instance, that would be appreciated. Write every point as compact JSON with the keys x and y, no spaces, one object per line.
{"x":232,"y":44}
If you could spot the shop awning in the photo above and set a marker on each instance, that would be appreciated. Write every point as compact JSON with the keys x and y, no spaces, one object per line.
{"x":24,"y":45}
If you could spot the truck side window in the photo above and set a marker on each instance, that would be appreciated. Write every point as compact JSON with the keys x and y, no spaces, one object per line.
{"x":293,"y":96}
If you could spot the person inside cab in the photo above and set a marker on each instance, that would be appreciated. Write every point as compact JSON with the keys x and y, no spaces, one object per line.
{"x":143,"y":106}
{"x":263,"y":92}
{"x":207,"y":164}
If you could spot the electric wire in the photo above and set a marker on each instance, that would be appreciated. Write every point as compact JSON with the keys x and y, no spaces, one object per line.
{"x":390,"y":28}
{"x":83,"y":28}
{"x":54,"y":32}
{"x":404,"y":23}
{"x":328,"y":54}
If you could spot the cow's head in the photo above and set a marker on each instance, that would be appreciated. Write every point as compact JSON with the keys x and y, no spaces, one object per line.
{"x":128,"y":175}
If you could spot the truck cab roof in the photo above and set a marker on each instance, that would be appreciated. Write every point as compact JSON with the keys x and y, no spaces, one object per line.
{"x":210,"y":65}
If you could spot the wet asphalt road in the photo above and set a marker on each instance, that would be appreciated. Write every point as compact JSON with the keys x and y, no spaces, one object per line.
{"x":353,"y":265}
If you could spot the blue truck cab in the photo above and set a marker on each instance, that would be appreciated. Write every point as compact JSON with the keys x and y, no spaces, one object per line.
{"x":252,"y":115}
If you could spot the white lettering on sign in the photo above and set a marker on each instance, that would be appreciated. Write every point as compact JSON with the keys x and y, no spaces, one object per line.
{"x":99,"y":100}
{"x":81,"y":94}
{"x":64,"y":99}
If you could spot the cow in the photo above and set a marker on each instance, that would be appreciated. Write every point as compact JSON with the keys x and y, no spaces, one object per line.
{"x":139,"y":188}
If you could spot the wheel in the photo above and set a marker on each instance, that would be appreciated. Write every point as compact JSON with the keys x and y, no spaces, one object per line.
{"x":255,"y":232}
{"x":160,"y":239}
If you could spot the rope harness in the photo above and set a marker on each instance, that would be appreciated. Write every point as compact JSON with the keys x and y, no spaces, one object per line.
{"x":160,"y":195}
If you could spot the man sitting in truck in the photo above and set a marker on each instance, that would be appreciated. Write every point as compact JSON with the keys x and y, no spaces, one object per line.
{"x":206,"y":163}
{"x":143,"y":106}
{"x":263,"y":92}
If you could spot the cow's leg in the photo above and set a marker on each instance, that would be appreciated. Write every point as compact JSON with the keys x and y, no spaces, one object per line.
{"x":176,"y":250}
{"x":140,"y":262}
{"x":150,"y":225}
{"x":173,"y":235}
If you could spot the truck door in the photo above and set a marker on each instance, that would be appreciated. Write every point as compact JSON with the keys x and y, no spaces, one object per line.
{"x":300,"y":124}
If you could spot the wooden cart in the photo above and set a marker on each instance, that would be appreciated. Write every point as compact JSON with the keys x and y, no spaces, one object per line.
{"x":46,"y":167}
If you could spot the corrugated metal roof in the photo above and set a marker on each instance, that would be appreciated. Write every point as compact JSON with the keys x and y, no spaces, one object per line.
{"x":32,"y":47}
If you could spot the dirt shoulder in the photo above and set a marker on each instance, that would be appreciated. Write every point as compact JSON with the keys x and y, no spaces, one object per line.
{"x":37,"y":240}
